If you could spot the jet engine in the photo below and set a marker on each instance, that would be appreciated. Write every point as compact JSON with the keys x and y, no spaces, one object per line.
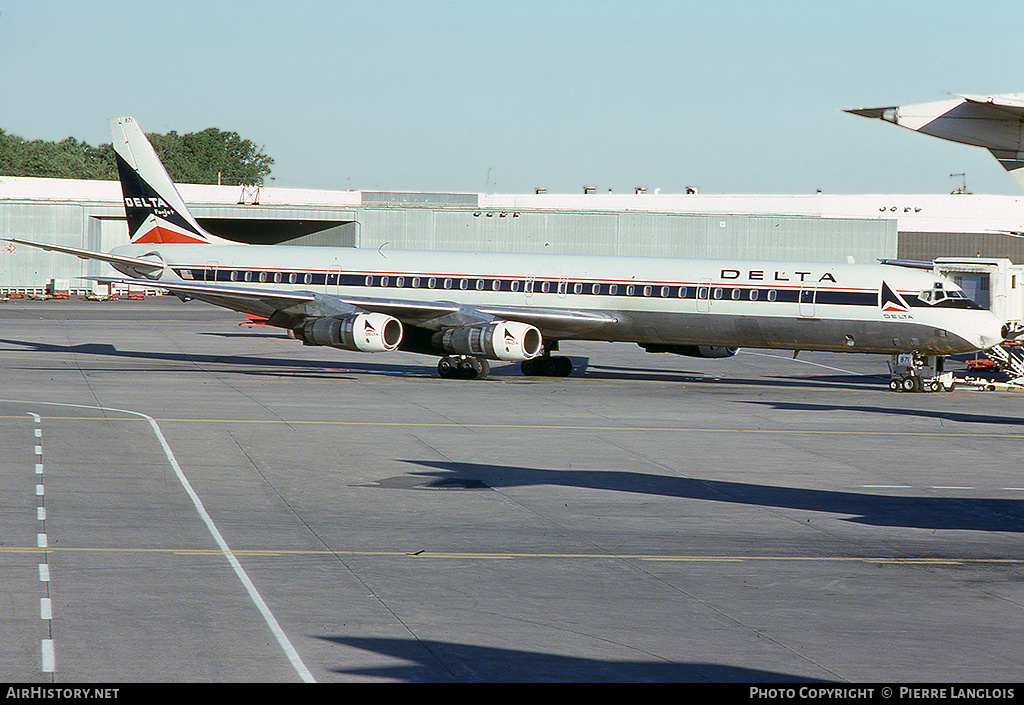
{"x":691,"y":350}
{"x":365,"y":332}
{"x":498,"y":340}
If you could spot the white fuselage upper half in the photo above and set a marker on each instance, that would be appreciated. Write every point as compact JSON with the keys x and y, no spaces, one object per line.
{"x":784,"y":305}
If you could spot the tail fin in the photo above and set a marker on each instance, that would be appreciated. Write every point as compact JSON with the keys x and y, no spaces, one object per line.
{"x":156,"y":212}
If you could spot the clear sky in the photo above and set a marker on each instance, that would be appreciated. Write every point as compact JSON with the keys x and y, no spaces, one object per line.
{"x":489,"y":96}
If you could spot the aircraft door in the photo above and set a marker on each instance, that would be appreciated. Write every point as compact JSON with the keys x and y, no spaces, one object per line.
{"x":210,"y":273}
{"x":332,"y":284}
{"x":808,"y":294}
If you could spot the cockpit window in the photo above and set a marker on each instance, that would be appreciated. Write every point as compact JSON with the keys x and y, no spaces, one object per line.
{"x":938,"y":294}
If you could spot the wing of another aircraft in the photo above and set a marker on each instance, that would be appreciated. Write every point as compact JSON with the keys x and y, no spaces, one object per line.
{"x":993,"y":122}
{"x":1012,"y":103}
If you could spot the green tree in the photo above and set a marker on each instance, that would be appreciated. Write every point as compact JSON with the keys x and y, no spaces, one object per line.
{"x":208,"y":157}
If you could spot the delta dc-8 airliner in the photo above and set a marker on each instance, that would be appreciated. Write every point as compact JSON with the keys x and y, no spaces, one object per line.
{"x":471,"y":308}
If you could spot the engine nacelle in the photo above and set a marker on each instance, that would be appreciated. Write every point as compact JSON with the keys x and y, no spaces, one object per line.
{"x":498,"y":340}
{"x":364,"y":332}
{"x":711,"y":351}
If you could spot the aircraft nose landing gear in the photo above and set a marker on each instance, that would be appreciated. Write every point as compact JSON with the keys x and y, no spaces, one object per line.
{"x":911,"y":372}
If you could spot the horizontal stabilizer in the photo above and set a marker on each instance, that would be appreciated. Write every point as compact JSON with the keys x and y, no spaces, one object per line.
{"x":142,"y":267}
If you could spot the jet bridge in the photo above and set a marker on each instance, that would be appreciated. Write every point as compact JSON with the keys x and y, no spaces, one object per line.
{"x":997,"y":284}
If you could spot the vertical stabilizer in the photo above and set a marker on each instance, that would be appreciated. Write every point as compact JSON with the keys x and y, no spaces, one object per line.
{"x":156,"y":212}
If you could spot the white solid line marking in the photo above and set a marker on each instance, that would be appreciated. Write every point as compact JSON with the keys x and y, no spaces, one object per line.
{"x":268,"y":616}
{"x":44,"y":572}
{"x":803,"y":362}
{"x":886,"y":487}
{"x":950,"y":487}
{"x":41,"y":540}
{"x":45,"y":608}
{"x":48,"y":659}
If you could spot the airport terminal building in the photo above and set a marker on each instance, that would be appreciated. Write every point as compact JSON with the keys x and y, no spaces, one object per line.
{"x":818,"y":227}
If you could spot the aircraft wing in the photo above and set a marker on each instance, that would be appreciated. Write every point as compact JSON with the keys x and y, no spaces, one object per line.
{"x":434,"y":315}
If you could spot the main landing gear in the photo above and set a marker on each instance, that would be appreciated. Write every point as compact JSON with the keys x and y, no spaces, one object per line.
{"x":466,"y":367}
{"x":463,"y":367}
{"x":910,"y":372}
{"x":547,"y":366}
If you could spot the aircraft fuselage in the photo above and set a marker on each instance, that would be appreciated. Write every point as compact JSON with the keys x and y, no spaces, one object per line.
{"x":794,"y":306}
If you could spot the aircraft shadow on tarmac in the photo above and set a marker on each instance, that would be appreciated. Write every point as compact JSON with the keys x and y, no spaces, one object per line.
{"x":246,"y":364}
{"x":933,"y":513}
{"x":434,"y":661}
{"x":959,"y":417}
{"x":797,"y":381}
{"x":304,"y":367}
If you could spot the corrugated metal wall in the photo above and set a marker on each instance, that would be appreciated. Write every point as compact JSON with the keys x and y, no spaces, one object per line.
{"x":928,"y":246}
{"x":645,"y":234}
{"x":431,"y":223}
